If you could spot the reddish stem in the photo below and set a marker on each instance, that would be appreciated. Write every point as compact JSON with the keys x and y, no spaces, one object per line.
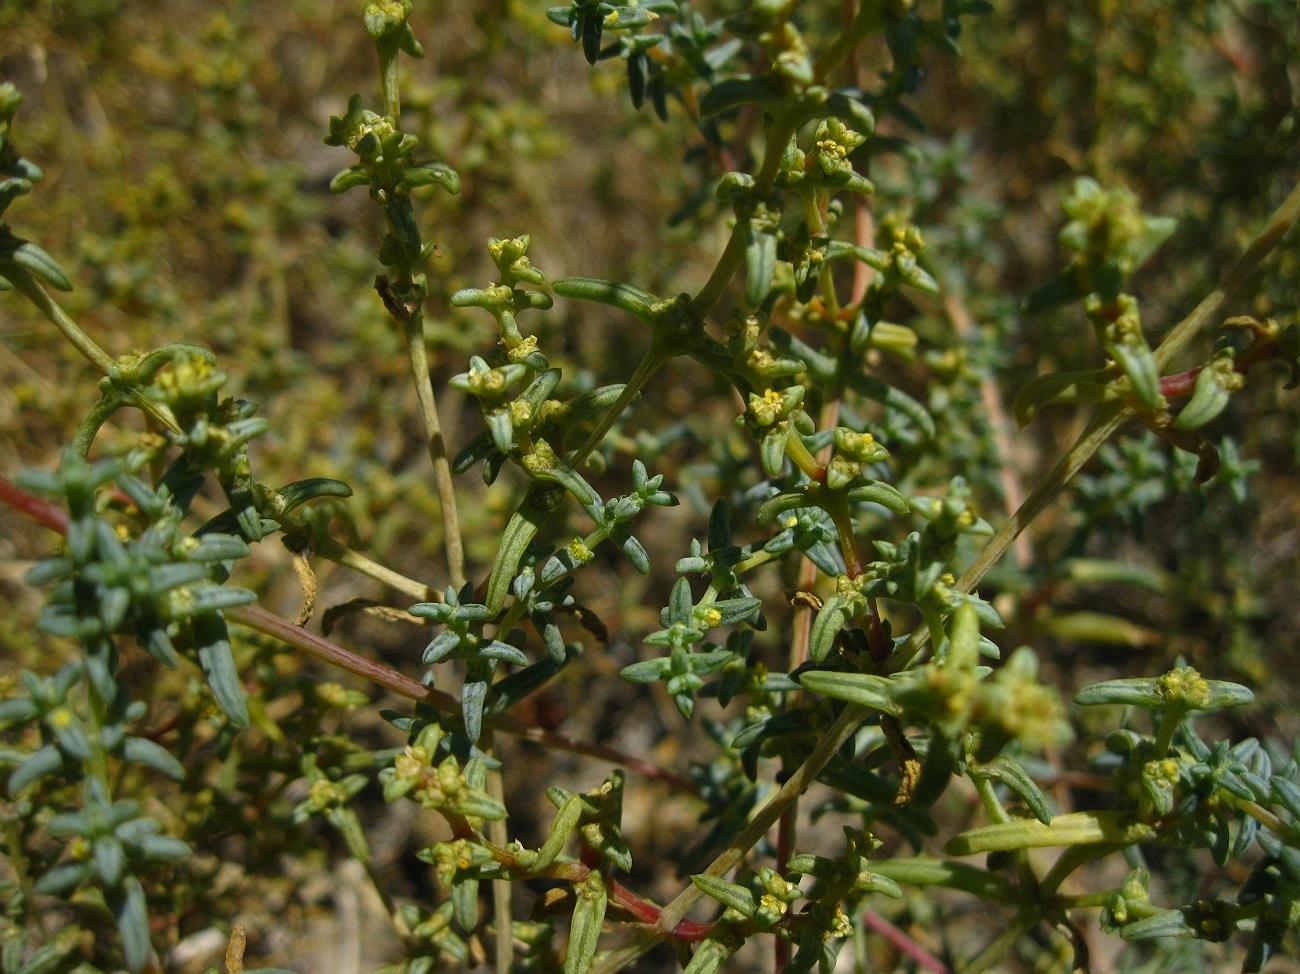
{"x":50,"y":515}
{"x":905,"y":944}
{"x":687,"y":931}
{"x":1180,"y":384}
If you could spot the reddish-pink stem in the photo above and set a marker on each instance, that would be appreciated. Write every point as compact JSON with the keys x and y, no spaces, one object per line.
{"x":687,"y":931}
{"x":1179,"y":384}
{"x":50,"y":515}
{"x":905,"y":944}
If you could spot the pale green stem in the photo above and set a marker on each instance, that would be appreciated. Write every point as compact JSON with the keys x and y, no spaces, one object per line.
{"x":413,"y":327}
{"x":733,"y":255}
{"x":645,"y":369}
{"x":23,"y":281}
{"x":835,"y":736}
{"x":989,"y":799}
{"x":498,"y":834}
{"x":341,"y":554}
{"x":388,"y":74}
{"x":867,"y":19}
{"x":412,"y":322}
{"x":32,"y":290}
{"x":1001,"y":945}
{"x":1283,"y":218}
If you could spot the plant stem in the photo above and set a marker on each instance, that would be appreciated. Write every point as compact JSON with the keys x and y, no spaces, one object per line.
{"x":989,"y":799}
{"x":31,"y":288}
{"x":733,"y":255}
{"x":272,"y":625}
{"x":22,"y":279}
{"x":904,"y":943}
{"x":413,"y":328}
{"x":501,"y":888}
{"x":341,"y":554}
{"x":868,"y":17}
{"x":645,"y":370}
{"x":388,"y":74}
{"x":409,"y":314}
{"x":1283,"y":218}
{"x":1013,"y":493}
{"x":839,"y":732}
{"x":1001,"y":945}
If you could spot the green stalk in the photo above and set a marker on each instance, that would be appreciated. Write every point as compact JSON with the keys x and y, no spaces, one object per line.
{"x":22,"y":279}
{"x":413,"y":328}
{"x":412,"y":322}
{"x":341,"y":554}
{"x":502,"y":889}
{"x":31,"y":288}
{"x":989,"y":799}
{"x":650,"y":363}
{"x":733,"y":255}
{"x":1001,"y":945}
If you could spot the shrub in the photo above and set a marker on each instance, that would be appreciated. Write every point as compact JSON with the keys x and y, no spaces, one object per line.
{"x":798,"y":675}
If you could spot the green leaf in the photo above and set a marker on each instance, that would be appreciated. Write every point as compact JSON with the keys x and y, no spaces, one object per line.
{"x":46,"y":760}
{"x":110,"y":859}
{"x":836,"y":613}
{"x":562,"y":827}
{"x":45,"y":959}
{"x":1017,"y":779}
{"x":301,"y":491}
{"x":709,"y":956}
{"x":1209,"y":398}
{"x":433,"y":173}
{"x":1138,"y":362}
{"x":349,"y":178}
{"x":878,"y":492}
{"x":1059,"y":388}
{"x":518,"y":535}
{"x":584,"y":929}
{"x":760,"y":265}
{"x":1166,"y":923}
{"x":1078,"y":828}
{"x":26,"y":256}
{"x":1054,"y":292}
{"x":218,"y":664}
{"x":142,"y":750}
{"x":623,"y":296}
{"x":61,"y":880}
{"x":128,"y":905}
{"x":734,"y":92}
{"x":863,"y":689}
{"x":728,"y":894}
{"x":1138,"y":692}
{"x":1155,"y":693}
{"x":920,"y":871}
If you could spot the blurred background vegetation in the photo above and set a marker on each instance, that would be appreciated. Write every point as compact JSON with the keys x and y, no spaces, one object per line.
{"x":187,"y":196}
